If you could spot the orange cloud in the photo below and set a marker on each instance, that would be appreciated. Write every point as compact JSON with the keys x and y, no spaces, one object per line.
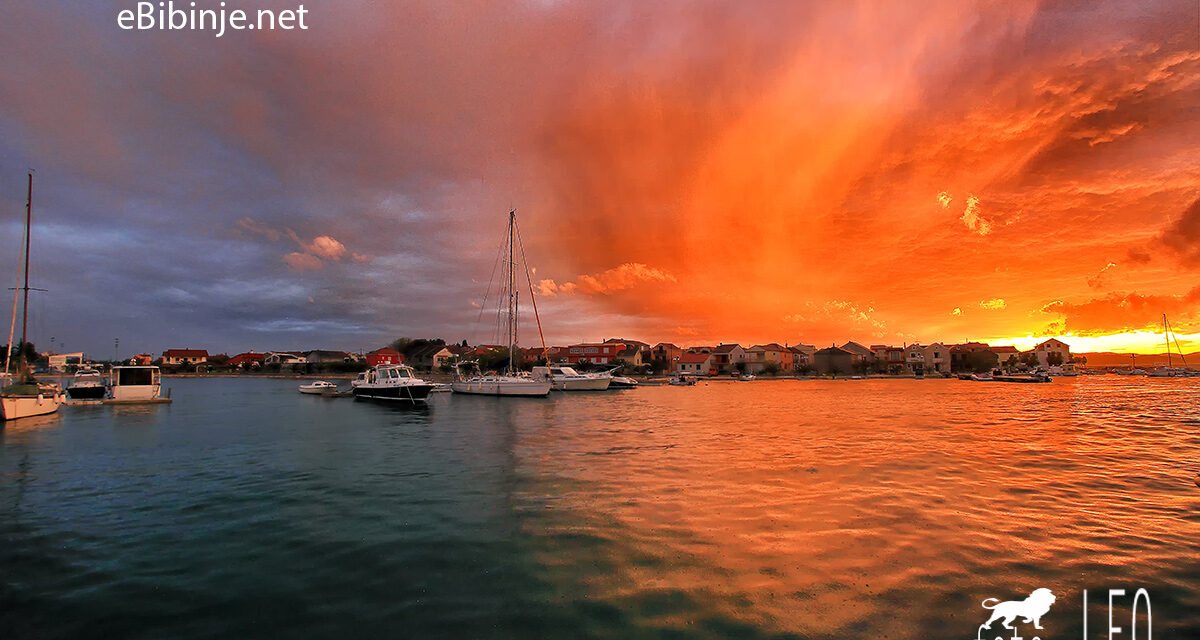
{"x":626,"y":276}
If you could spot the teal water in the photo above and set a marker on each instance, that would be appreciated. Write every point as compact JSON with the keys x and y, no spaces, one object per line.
{"x":805,"y":509}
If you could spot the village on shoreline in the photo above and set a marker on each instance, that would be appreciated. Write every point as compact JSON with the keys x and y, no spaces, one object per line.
{"x":633,"y":357}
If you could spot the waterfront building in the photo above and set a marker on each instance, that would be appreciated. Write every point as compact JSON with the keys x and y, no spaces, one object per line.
{"x":247,"y":360}
{"x":60,"y":361}
{"x":936,"y":358}
{"x":386,"y":355}
{"x":1052,"y":349}
{"x":760,"y":356}
{"x":595,"y":352}
{"x":185,"y":356}
{"x":693,"y":364}
{"x":1003,"y":353}
{"x":833,"y":360}
{"x":802,"y":355}
{"x":318,"y":356}
{"x":666,"y":353}
{"x":725,"y":357}
{"x":862,"y":355}
{"x":283,"y":358}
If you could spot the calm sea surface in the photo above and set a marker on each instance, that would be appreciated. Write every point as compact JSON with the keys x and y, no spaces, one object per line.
{"x":808,"y":509}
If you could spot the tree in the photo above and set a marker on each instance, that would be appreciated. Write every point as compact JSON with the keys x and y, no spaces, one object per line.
{"x":658,"y":365}
{"x":740,"y":366}
{"x":1054,"y":359}
{"x":772,"y":368}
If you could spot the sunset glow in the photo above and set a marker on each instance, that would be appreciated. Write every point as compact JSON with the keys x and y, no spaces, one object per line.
{"x":685,"y":172}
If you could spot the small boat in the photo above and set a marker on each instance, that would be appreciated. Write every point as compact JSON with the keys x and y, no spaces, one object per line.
{"x":1032,"y":378}
{"x":747,"y":377}
{"x":568,"y":379}
{"x":135,"y":384}
{"x":682,"y":381}
{"x":394,"y":383}
{"x":317,"y":388}
{"x":981,"y":377}
{"x":622,"y":382}
{"x":87,"y":385}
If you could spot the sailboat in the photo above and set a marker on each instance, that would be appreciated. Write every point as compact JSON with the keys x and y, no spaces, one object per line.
{"x":507,"y":383}
{"x":1170,"y":371}
{"x":25,"y":397}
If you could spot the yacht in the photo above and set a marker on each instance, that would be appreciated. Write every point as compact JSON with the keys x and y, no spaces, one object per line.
{"x":393,"y":383}
{"x":87,"y":385}
{"x":568,"y":379}
{"x":508,"y":383}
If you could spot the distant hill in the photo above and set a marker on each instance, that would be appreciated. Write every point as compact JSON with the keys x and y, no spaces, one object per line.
{"x":1109,"y":359}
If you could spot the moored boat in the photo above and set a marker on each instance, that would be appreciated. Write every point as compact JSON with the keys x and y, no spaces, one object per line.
{"x":87,"y":385}
{"x":135,"y":385}
{"x":393,"y":383}
{"x":318,"y":387}
{"x":24,"y":397}
{"x":568,"y":379}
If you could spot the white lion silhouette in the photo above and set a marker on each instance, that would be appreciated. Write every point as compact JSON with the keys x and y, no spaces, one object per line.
{"x":1031,"y":609}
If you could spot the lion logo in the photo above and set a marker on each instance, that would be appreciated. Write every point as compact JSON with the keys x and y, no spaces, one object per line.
{"x":1031,"y":609}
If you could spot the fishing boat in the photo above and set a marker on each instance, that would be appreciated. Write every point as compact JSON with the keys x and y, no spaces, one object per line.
{"x":24,"y":396}
{"x":568,"y":379}
{"x":682,"y":381}
{"x":508,"y":383}
{"x":393,"y":383}
{"x":87,"y":385}
{"x":317,"y":388}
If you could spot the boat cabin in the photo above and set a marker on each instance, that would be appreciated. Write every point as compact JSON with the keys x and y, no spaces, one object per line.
{"x":135,"y":383}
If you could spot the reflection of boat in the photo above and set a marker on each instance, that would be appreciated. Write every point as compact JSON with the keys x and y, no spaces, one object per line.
{"x":317,"y":388}
{"x":393,"y":383}
{"x":24,"y":397}
{"x":87,"y":385}
{"x":132,"y":384}
{"x":568,"y":379}
{"x":508,"y":383}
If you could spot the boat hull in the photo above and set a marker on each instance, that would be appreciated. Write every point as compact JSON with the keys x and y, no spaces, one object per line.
{"x":516,"y":387}
{"x":91,"y":392}
{"x":582,"y":384}
{"x":394,"y":394}
{"x":15,"y":407}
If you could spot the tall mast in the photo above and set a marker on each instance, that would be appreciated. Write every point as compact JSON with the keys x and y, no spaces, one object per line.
{"x":1167,"y":338}
{"x":512,"y":315}
{"x":25,"y":302}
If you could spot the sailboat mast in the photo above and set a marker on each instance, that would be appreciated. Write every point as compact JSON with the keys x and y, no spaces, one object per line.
{"x":512,"y":315}
{"x":1167,"y":338}
{"x":25,"y":302}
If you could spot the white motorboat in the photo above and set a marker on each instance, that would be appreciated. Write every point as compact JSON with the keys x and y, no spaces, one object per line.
{"x":509,"y":383}
{"x":317,"y":388}
{"x":568,"y":379}
{"x":136,"y":384}
{"x":87,"y":385}
{"x":393,"y":383}
{"x":747,"y":377}
{"x":23,"y":397}
{"x":622,"y":382}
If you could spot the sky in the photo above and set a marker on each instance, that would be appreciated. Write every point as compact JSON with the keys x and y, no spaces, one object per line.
{"x":691,"y":172}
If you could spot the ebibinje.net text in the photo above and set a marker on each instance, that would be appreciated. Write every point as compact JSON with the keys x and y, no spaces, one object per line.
{"x":166,"y":16}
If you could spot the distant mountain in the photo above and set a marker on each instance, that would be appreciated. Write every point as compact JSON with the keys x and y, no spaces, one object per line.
{"x":1109,"y":359}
